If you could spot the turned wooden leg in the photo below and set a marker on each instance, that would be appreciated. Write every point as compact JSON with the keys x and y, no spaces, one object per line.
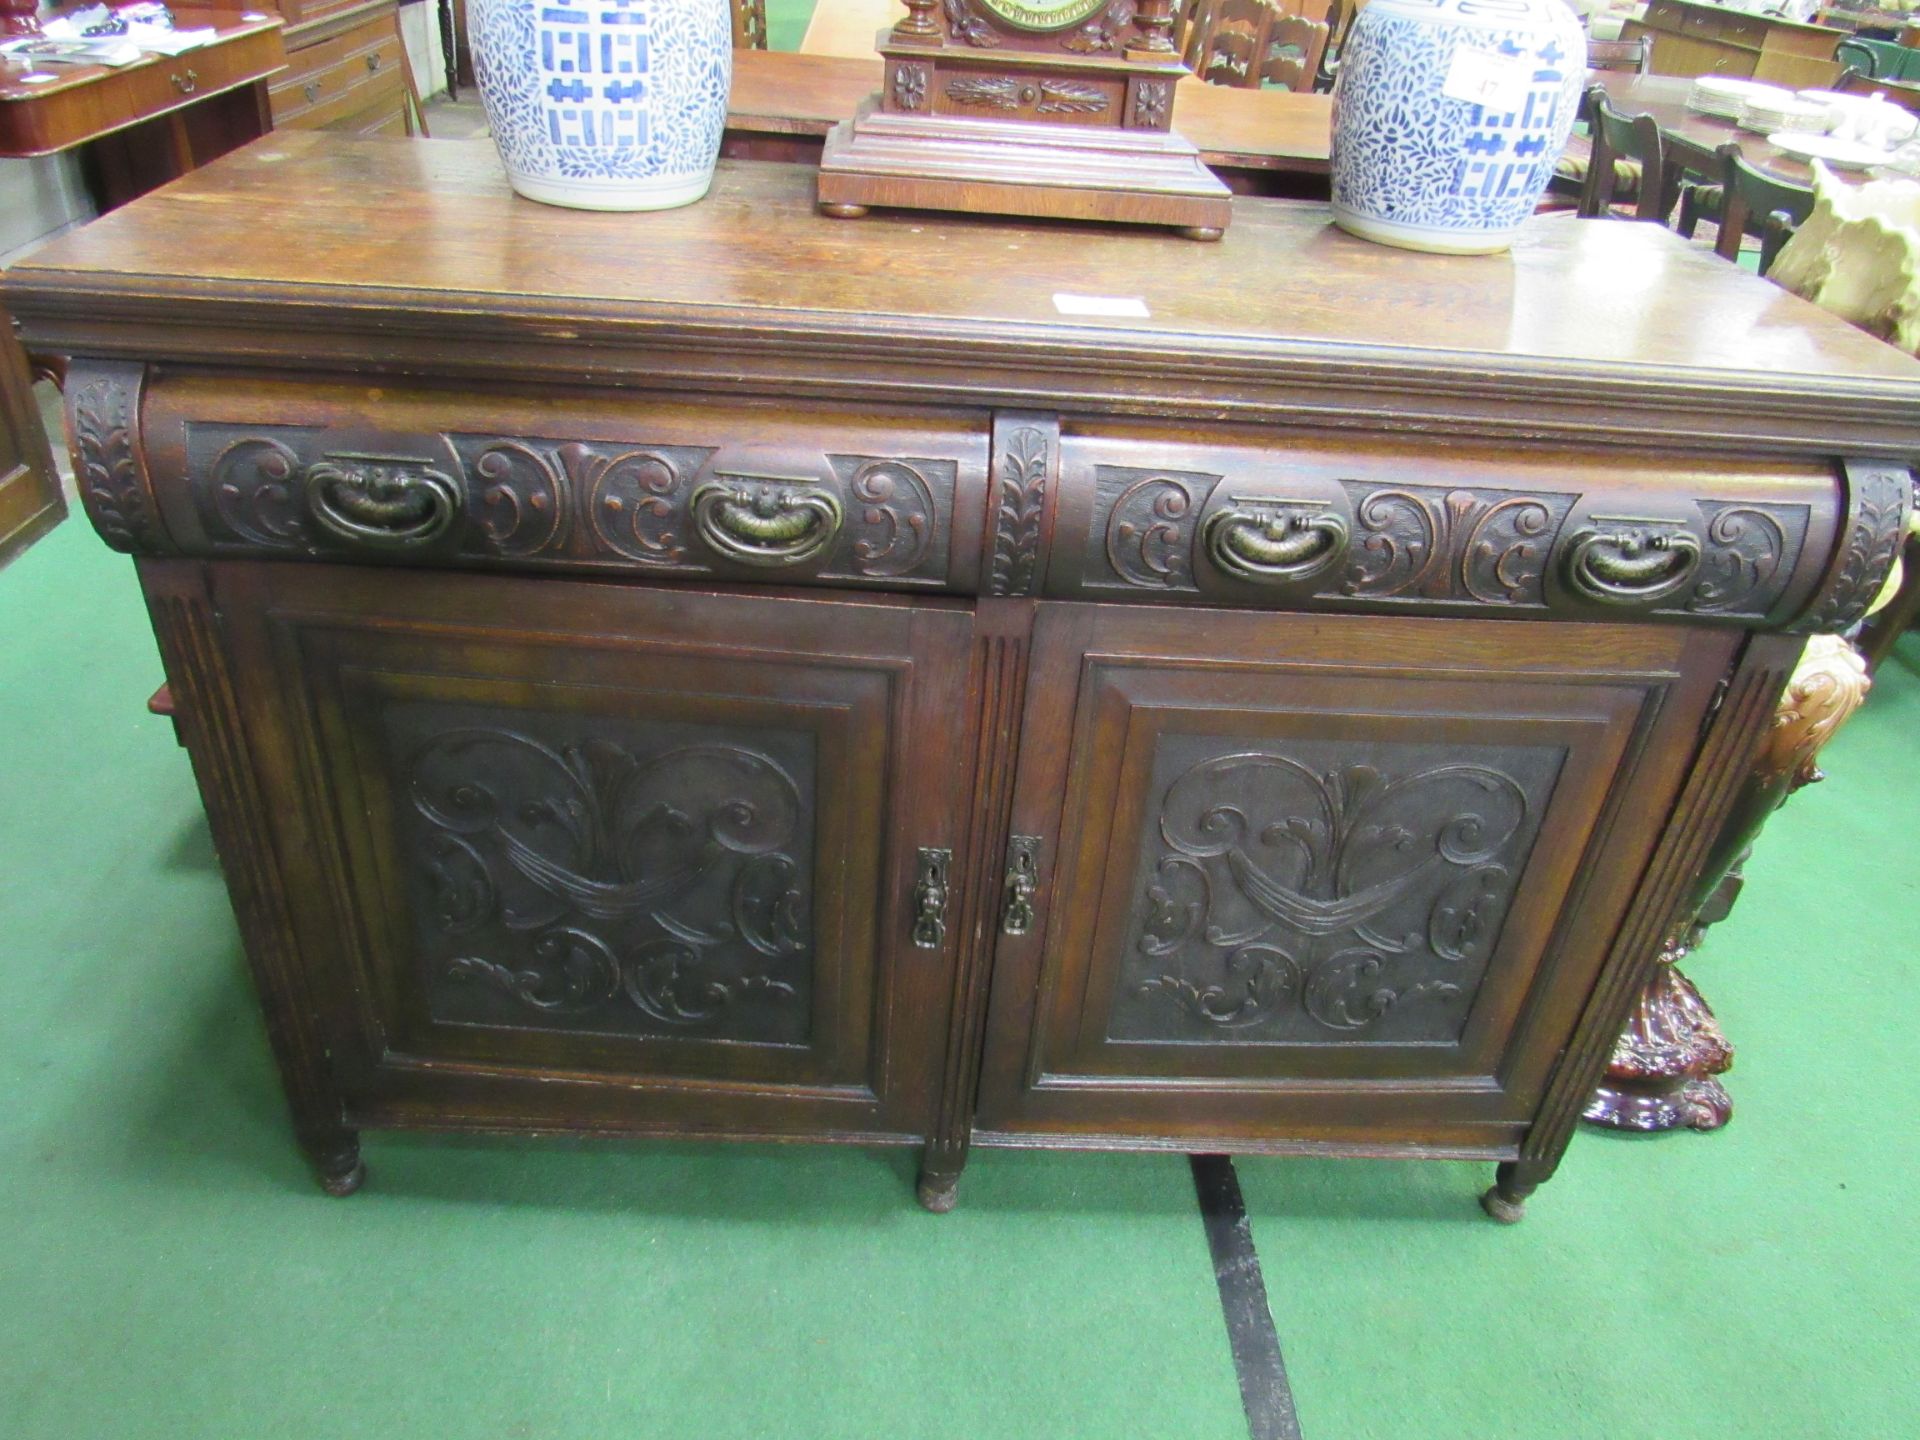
{"x":939,"y":1189}
{"x":1661,"y":1073}
{"x":1506,"y":1199}
{"x":336,"y":1160}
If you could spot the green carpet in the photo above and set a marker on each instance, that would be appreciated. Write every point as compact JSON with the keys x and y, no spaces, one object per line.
{"x":169,"y":1269}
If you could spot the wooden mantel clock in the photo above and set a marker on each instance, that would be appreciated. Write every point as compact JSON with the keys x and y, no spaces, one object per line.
{"x":1027,"y":107}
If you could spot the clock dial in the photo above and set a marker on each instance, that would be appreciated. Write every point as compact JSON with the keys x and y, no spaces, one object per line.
{"x":1045,"y":14}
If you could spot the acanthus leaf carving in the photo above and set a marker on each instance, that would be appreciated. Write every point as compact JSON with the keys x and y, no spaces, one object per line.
{"x":104,"y":404}
{"x":1879,"y":497}
{"x":1023,"y":497}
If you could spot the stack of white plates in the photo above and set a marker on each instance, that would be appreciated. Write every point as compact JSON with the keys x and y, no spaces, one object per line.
{"x":1714,"y":95}
{"x":1786,"y":115}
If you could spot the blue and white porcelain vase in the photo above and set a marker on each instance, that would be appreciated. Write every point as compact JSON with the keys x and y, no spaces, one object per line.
{"x":605,"y":104}
{"x":1448,"y":117}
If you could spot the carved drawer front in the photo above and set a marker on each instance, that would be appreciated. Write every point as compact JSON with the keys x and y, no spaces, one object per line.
{"x":652,"y":848}
{"x":1331,"y":522}
{"x":1325,"y":879}
{"x":765,"y":493}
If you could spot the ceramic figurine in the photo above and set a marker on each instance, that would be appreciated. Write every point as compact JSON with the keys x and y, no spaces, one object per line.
{"x":1448,"y":116}
{"x":605,"y":104}
{"x":1858,"y":255}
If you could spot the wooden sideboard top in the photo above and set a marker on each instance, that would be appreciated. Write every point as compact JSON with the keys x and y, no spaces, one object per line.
{"x":308,"y":252}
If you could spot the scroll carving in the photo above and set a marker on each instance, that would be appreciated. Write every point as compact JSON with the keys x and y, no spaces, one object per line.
{"x":587,"y":877}
{"x":1023,"y":497}
{"x":1425,"y":543}
{"x":1747,"y":546}
{"x":1879,"y":495}
{"x":553,"y":500}
{"x":104,"y":409}
{"x":895,"y":515}
{"x":1150,"y":525}
{"x":1302,"y":898}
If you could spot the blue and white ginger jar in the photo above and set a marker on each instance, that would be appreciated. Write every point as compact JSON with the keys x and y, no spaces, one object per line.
{"x":605,"y":104}
{"x":1448,"y":117}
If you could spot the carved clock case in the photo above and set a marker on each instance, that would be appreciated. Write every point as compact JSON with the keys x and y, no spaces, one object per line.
{"x":1027,"y":107}
{"x":867,"y":713}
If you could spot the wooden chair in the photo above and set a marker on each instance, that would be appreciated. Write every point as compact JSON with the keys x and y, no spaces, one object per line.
{"x":1236,"y":44}
{"x":1629,"y":138}
{"x":1340,"y":15}
{"x":1293,"y":50}
{"x":1190,"y":18}
{"x":1753,"y":202}
{"x":749,"y":24}
{"x":1903,"y":93}
{"x":1630,"y":57}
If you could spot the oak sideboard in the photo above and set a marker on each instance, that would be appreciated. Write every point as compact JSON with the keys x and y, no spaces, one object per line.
{"x":941,"y":682}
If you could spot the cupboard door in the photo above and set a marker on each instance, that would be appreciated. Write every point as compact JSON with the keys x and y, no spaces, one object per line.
{"x":606,"y":856}
{"x":1323,"y":879}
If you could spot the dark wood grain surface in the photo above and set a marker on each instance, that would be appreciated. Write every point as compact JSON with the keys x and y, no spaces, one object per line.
{"x":419,"y":257}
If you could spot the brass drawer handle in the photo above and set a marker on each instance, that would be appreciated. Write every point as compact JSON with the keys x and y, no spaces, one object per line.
{"x":373,"y":60}
{"x":1637,"y":563}
{"x":766,"y":520}
{"x":383,"y":502}
{"x":312,"y":90}
{"x":930,"y":898}
{"x":1023,"y":857}
{"x":1273,"y":542}
{"x":185,"y":84}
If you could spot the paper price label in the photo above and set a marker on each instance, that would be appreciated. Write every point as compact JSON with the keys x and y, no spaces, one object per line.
{"x":1494,"y":82}
{"x":1109,"y":307}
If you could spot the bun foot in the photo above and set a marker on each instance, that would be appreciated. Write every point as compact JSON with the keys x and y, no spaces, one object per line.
{"x":1507,"y":1212}
{"x":339,"y":1166}
{"x":938,"y":1193}
{"x":1202,"y":232}
{"x":844,"y":212}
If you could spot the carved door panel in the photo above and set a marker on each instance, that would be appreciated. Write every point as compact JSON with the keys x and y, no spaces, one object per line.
{"x":1336,"y":880}
{"x":642,"y":858}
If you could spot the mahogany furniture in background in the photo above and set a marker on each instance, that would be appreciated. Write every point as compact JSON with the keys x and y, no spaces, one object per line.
{"x":347,"y":69}
{"x":146,"y":123}
{"x":743,"y":674}
{"x":1691,"y":37}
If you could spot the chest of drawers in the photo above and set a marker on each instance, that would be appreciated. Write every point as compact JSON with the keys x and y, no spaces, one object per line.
{"x":1703,"y":39}
{"x":733,"y":674}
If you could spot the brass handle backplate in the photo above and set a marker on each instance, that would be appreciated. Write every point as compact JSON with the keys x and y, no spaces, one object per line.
{"x":930,"y":895}
{"x":765,"y":520}
{"x":1273,"y":542}
{"x":373,"y":60}
{"x":311,"y":90}
{"x":1023,"y":857}
{"x":381,"y":501}
{"x":1631,"y":561}
{"x":185,"y":83}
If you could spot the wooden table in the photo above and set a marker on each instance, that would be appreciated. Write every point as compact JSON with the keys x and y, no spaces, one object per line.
{"x":731,"y":672}
{"x":148,"y":122}
{"x":1692,"y":138}
{"x":1258,"y":141}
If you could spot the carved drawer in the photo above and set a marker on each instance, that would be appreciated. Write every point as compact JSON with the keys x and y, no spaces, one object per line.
{"x":1317,"y":521}
{"x":754,"y":492}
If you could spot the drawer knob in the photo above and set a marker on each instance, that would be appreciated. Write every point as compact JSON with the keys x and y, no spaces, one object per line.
{"x":381,"y":502}
{"x":930,"y":898}
{"x":1636,"y":562}
{"x":311,"y":90}
{"x":1273,"y":543}
{"x":766,"y":520}
{"x":185,"y":84}
{"x":373,"y":61}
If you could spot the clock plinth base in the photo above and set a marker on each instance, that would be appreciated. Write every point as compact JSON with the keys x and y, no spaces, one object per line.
{"x":1067,"y":172}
